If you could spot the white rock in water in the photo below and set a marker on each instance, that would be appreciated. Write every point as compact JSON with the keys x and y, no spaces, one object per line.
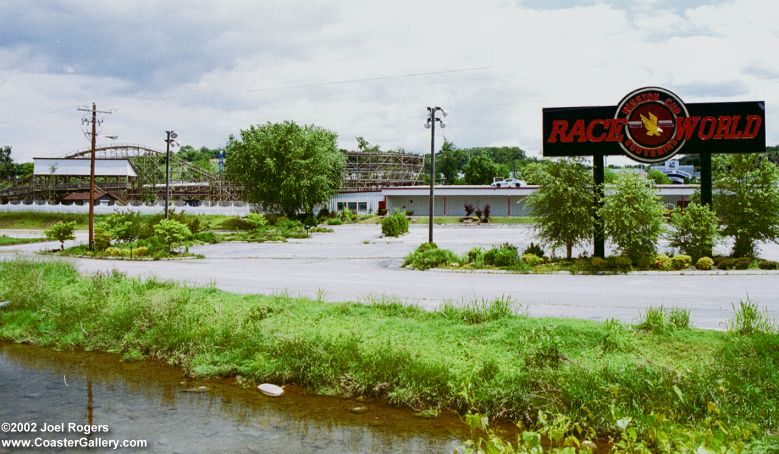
{"x":271,"y":390}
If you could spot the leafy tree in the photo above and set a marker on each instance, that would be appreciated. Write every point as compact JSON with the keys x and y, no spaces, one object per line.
{"x":24,"y":170}
{"x":633,"y":216}
{"x":564,"y":203}
{"x":365,"y":146}
{"x":7,"y":166}
{"x":695,"y":230}
{"x":199,"y":157}
{"x":658,"y":177}
{"x":747,"y":200}
{"x":61,"y":232}
{"x":480,"y":170}
{"x":449,"y":162}
{"x":172,"y":232}
{"x":284,"y":166}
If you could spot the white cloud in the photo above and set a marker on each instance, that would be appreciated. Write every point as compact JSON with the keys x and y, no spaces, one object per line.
{"x":209,"y":69}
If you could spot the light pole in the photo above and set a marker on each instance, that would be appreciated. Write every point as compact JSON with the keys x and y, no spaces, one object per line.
{"x":430,"y":124}
{"x":170,"y":139}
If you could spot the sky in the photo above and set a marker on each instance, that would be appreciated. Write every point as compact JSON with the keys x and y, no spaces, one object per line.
{"x":208,"y":69}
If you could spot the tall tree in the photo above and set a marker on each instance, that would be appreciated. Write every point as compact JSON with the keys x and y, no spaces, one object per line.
{"x":633,"y":216}
{"x":564,"y":203}
{"x":284,"y":166}
{"x":480,"y":170}
{"x":746,"y":198}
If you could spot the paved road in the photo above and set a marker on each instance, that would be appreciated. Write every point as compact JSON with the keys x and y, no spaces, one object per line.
{"x":355,"y":263}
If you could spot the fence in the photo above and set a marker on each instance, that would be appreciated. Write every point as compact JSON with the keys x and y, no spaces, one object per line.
{"x":224,"y":208}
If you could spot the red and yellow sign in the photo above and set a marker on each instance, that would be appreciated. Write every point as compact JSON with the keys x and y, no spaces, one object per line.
{"x":652,"y":124}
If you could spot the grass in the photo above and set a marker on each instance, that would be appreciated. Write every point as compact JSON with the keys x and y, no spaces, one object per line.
{"x":486,"y":357}
{"x":10,"y":241}
{"x":36,"y":220}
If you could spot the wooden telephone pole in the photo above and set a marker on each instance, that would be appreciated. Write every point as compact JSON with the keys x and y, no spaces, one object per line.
{"x":94,"y":122}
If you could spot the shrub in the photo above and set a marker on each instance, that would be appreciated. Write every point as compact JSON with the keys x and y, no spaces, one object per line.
{"x":235,"y":223}
{"x":256,"y":221}
{"x":704,"y":263}
{"x":662,"y":262}
{"x":532,"y":259}
{"x":102,"y":236}
{"x":476,"y":255}
{"x":681,"y":262}
{"x":623,"y":264}
{"x":172,"y":233}
{"x":469,"y":209}
{"x":679,"y":318}
{"x":486,"y":213}
{"x":742,"y":263}
{"x":207,"y":237}
{"x":427,"y":256}
{"x":113,"y":252}
{"x":502,"y":256}
{"x":142,"y":251}
{"x":768,"y":265}
{"x":346,"y":215}
{"x":725,"y":263}
{"x":598,"y":264}
{"x":534,"y":249}
{"x":659,"y":319}
{"x":695,"y":230}
{"x":61,"y":232}
{"x":323,"y":213}
{"x":394,"y":225}
{"x":334,"y":221}
{"x":633,"y":216}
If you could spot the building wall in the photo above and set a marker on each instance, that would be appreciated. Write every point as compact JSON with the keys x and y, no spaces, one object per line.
{"x":454,"y":205}
{"x":362,"y":202}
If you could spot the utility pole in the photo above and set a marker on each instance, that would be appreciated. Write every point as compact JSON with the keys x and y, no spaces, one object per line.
{"x":94,"y":122}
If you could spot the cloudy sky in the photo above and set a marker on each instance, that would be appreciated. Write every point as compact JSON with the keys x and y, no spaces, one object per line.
{"x":364,"y":68}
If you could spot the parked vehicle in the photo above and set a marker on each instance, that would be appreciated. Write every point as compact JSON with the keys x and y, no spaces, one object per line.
{"x":507,"y":183}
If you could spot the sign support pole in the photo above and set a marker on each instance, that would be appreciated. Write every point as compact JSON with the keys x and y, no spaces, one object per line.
{"x":599,"y":174}
{"x":706,"y":185}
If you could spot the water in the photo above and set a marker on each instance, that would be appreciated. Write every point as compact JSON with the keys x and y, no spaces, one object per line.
{"x":154,"y":402}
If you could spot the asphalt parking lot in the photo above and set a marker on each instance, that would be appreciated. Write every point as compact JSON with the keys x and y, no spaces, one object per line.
{"x":356,"y":264}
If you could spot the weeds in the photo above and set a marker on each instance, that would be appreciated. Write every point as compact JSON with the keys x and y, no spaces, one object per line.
{"x":660,"y":320}
{"x":749,"y":319}
{"x":671,"y":393}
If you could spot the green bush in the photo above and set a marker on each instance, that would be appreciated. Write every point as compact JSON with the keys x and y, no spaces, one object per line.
{"x":141,"y":251}
{"x":61,"y":232}
{"x":172,"y":233}
{"x":256,"y":221}
{"x":742,"y":263}
{"x":532,"y":259}
{"x":505,"y":255}
{"x":475,"y":256}
{"x":695,"y":230}
{"x":662,"y":262}
{"x":427,"y":256}
{"x":704,"y":263}
{"x":725,"y":263}
{"x":599,"y":264}
{"x":623,"y":264}
{"x":207,"y":237}
{"x":748,"y":318}
{"x":534,"y":249}
{"x":235,"y":223}
{"x":768,"y":265}
{"x":394,"y":225}
{"x":102,"y":236}
{"x":681,"y":262}
{"x":334,"y":221}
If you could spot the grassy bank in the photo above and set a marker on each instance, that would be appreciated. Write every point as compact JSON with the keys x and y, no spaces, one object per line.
{"x":669,"y":387}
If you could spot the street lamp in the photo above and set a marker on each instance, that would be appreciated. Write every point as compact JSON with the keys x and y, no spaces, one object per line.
{"x":432,"y":117}
{"x":170,"y":140}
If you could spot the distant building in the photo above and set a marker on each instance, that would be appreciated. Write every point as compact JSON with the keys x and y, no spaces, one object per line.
{"x":678,"y":174}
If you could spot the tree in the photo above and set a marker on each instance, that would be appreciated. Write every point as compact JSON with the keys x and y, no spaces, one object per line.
{"x":747,"y":200}
{"x":695,"y":230}
{"x":480,"y":170}
{"x":61,"y":232}
{"x":564,"y":203}
{"x":284,"y":166}
{"x":658,"y":177}
{"x":365,"y":146}
{"x":633,"y":216}
{"x":7,"y":166}
{"x":172,"y":232}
